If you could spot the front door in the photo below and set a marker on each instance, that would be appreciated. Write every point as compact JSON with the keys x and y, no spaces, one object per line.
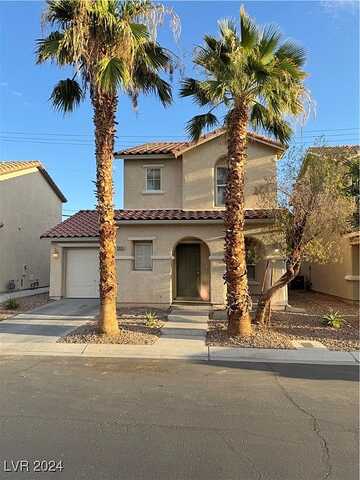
{"x":188,"y":270}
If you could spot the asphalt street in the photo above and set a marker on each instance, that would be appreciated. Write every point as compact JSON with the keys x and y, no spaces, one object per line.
{"x":164,"y":419}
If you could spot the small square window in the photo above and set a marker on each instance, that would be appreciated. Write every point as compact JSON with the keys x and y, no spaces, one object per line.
{"x":142,"y":255}
{"x":153,"y":179}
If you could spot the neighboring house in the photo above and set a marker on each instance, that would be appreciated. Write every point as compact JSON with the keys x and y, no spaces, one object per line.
{"x":170,"y":244}
{"x":30,"y":202}
{"x":339,"y":278}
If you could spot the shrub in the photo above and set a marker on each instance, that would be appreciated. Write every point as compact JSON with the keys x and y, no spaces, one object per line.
{"x":151,"y":320}
{"x":333,"y":320}
{"x":11,"y":304}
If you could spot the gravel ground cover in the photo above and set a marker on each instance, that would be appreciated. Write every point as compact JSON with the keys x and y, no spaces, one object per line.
{"x":25,"y":304}
{"x":134,"y":329}
{"x":288,"y":326}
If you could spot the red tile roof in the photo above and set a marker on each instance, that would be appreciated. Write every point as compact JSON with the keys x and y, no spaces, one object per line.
{"x":85,"y":222}
{"x":178,"y":148}
{"x":11,"y":167}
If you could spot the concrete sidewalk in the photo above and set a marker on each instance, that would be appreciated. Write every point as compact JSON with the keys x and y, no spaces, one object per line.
{"x":46,"y":324}
{"x":184,"y":349}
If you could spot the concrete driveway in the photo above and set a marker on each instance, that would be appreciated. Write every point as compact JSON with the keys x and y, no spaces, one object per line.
{"x":48,"y":322}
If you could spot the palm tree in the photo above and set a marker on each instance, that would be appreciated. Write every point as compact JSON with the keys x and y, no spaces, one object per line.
{"x":258,"y":81}
{"x":111,"y":46}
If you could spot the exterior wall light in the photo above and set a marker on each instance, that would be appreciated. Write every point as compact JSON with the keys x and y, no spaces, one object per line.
{"x":55,"y":253}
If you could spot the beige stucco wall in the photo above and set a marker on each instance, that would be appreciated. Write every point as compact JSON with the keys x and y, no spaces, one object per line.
{"x":340,"y":278}
{"x":28,"y":207}
{"x":134,"y":184}
{"x":189,"y":181}
{"x":199,"y":168}
{"x":158,"y":287}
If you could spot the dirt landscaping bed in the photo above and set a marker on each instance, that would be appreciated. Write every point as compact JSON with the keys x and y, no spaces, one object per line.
{"x":24,"y":304}
{"x":135,"y":329}
{"x":307,"y":326}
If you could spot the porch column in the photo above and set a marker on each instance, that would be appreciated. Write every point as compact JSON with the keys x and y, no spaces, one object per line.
{"x":280,"y":299}
{"x":56,"y":272}
{"x":217,"y":286}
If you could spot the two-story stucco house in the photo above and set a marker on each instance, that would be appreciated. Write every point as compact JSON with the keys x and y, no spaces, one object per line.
{"x":170,"y":243}
{"x":30,"y":202}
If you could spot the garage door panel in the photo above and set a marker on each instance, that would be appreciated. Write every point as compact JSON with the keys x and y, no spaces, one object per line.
{"x":82,"y":273}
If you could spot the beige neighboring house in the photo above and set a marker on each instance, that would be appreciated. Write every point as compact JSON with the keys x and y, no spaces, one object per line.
{"x":340,"y":278}
{"x":30,"y":202}
{"x":170,"y":243}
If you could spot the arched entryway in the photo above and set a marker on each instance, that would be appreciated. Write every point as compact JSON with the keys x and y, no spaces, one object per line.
{"x":191,"y":271}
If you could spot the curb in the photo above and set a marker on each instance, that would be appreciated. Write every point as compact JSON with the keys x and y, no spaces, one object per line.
{"x":198,"y":351}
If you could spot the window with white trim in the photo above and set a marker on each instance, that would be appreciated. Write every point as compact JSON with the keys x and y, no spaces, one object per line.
{"x":153,"y":179}
{"x":250,"y":254}
{"x":220,"y":185}
{"x":143,"y":255}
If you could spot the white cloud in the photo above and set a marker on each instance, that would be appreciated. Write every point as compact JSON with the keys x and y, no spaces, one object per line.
{"x":16,"y":93}
{"x":4,"y":84}
{"x":336,"y":7}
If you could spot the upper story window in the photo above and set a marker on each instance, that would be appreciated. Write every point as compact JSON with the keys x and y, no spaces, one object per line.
{"x":220,"y":185}
{"x":153,"y":179}
{"x":250,"y":254}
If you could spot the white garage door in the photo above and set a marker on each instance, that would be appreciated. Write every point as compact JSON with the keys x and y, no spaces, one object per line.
{"x":82,"y":273}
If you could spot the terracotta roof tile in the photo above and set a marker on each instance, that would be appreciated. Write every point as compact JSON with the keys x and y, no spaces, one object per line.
{"x":85,"y":222}
{"x":177,"y":148}
{"x":9,"y":167}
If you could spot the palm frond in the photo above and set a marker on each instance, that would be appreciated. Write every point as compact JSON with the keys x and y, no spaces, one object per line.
{"x":249,"y":31}
{"x":147,"y":81}
{"x":67,"y":95}
{"x":262,"y":119}
{"x":193,"y":88}
{"x":196,"y":126}
{"x":291,"y":51}
{"x":48,"y":48}
{"x":156,"y":57}
{"x":112,"y":74}
{"x":269,"y":41}
{"x":60,"y":12}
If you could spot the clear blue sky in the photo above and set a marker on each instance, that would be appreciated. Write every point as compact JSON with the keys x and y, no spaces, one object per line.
{"x":31,"y":129}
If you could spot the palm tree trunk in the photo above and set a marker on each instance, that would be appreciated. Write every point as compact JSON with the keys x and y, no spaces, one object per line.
{"x":104,"y":120}
{"x":238,"y":299}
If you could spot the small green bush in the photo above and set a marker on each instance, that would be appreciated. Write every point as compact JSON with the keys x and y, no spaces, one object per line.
{"x":11,"y":304}
{"x":333,"y":320}
{"x":151,"y":320}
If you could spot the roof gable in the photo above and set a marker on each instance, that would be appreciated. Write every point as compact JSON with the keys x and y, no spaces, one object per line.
{"x":175,"y":149}
{"x":23,"y":167}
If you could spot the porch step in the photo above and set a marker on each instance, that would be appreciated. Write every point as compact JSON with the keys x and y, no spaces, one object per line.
{"x":193,"y":317}
{"x":189,"y":324}
{"x":191,"y":304}
{"x":183,"y":330}
{"x":189,"y":314}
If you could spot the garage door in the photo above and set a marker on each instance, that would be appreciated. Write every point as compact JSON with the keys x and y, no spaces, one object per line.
{"x":82,"y":273}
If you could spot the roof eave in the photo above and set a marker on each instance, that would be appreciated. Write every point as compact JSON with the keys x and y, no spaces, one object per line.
{"x":187,"y":221}
{"x":145,"y":156}
{"x":52,"y":184}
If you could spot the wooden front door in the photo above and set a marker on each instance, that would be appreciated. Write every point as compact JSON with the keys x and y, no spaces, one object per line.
{"x":188,"y":270}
